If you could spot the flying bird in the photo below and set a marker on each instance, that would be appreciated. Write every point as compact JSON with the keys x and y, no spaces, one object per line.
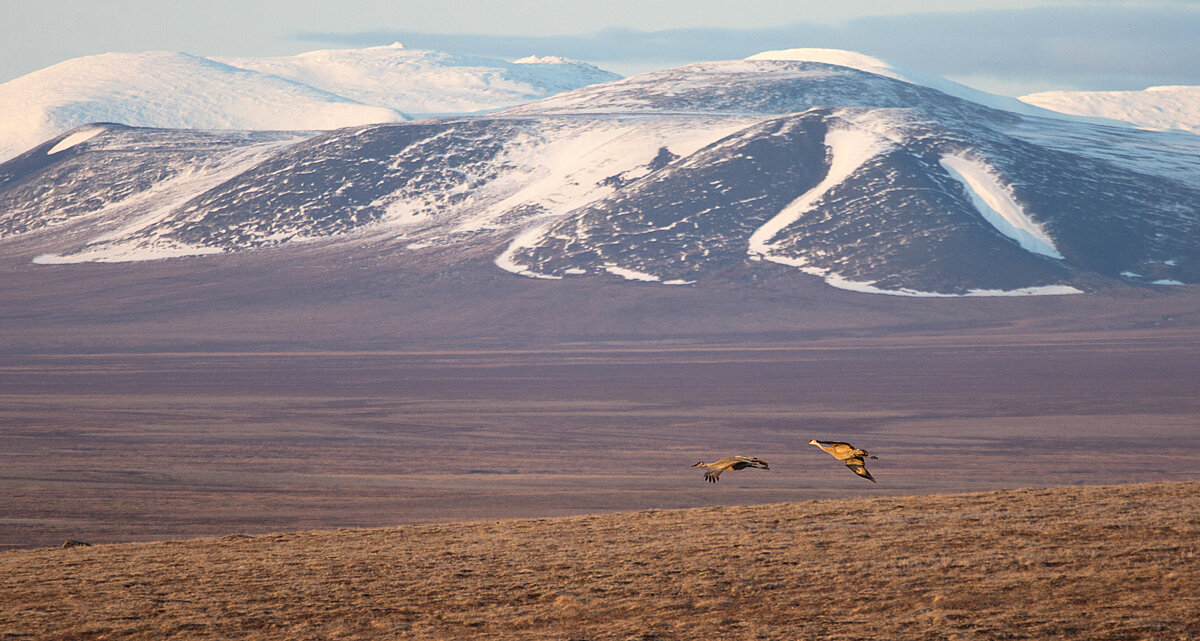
{"x":853,"y":457}
{"x":730,"y":463}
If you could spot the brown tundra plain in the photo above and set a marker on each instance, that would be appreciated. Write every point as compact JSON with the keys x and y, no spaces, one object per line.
{"x":1088,"y":562}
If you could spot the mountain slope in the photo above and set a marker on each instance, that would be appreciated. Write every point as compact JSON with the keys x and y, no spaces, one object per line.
{"x":707,"y":171}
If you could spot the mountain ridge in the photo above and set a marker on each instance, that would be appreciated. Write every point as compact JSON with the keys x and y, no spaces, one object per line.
{"x":676,"y":176}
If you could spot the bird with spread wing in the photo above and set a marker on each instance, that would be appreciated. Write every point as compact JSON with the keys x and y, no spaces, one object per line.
{"x":712,"y":475}
{"x":852,"y":456}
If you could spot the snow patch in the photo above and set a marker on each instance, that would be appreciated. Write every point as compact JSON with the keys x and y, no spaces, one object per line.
{"x":79,"y":137}
{"x":1166,"y":281}
{"x":630,"y":274}
{"x":545,"y":60}
{"x":868,"y":287}
{"x":998,"y":207}
{"x":126,"y":253}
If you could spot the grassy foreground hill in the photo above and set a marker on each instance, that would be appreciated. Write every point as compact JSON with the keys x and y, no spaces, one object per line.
{"x":1111,"y":562}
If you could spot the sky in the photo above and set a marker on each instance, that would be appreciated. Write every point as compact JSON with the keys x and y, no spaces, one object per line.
{"x":1010,"y":47}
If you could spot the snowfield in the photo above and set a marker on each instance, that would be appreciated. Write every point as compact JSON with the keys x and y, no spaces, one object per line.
{"x":1153,"y":108}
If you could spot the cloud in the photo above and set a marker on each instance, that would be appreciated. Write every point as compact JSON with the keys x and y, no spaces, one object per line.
{"x":1099,"y":46}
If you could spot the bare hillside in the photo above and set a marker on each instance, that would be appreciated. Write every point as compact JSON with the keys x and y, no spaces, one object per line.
{"x":1114,"y":562}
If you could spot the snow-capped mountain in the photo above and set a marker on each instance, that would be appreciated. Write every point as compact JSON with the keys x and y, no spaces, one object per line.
{"x":320,"y":90}
{"x":170,"y":90}
{"x":423,"y":83}
{"x":1153,"y":108}
{"x":718,"y":170}
{"x":871,"y":64}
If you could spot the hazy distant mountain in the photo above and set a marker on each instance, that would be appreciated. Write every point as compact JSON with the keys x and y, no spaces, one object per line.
{"x":710,"y":171}
{"x":420,"y":82}
{"x":1153,"y":108}
{"x":314,"y":91}
{"x":162,"y":89}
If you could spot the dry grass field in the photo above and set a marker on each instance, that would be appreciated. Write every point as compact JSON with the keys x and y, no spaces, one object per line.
{"x":1088,"y":562}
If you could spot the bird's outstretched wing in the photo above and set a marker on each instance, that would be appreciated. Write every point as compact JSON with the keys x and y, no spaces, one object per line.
{"x":742,"y":462}
{"x":859,"y":467}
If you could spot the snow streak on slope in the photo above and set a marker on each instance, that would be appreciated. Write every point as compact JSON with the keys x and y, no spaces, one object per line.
{"x":848,"y":150}
{"x":1153,"y":108}
{"x":998,"y":207}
